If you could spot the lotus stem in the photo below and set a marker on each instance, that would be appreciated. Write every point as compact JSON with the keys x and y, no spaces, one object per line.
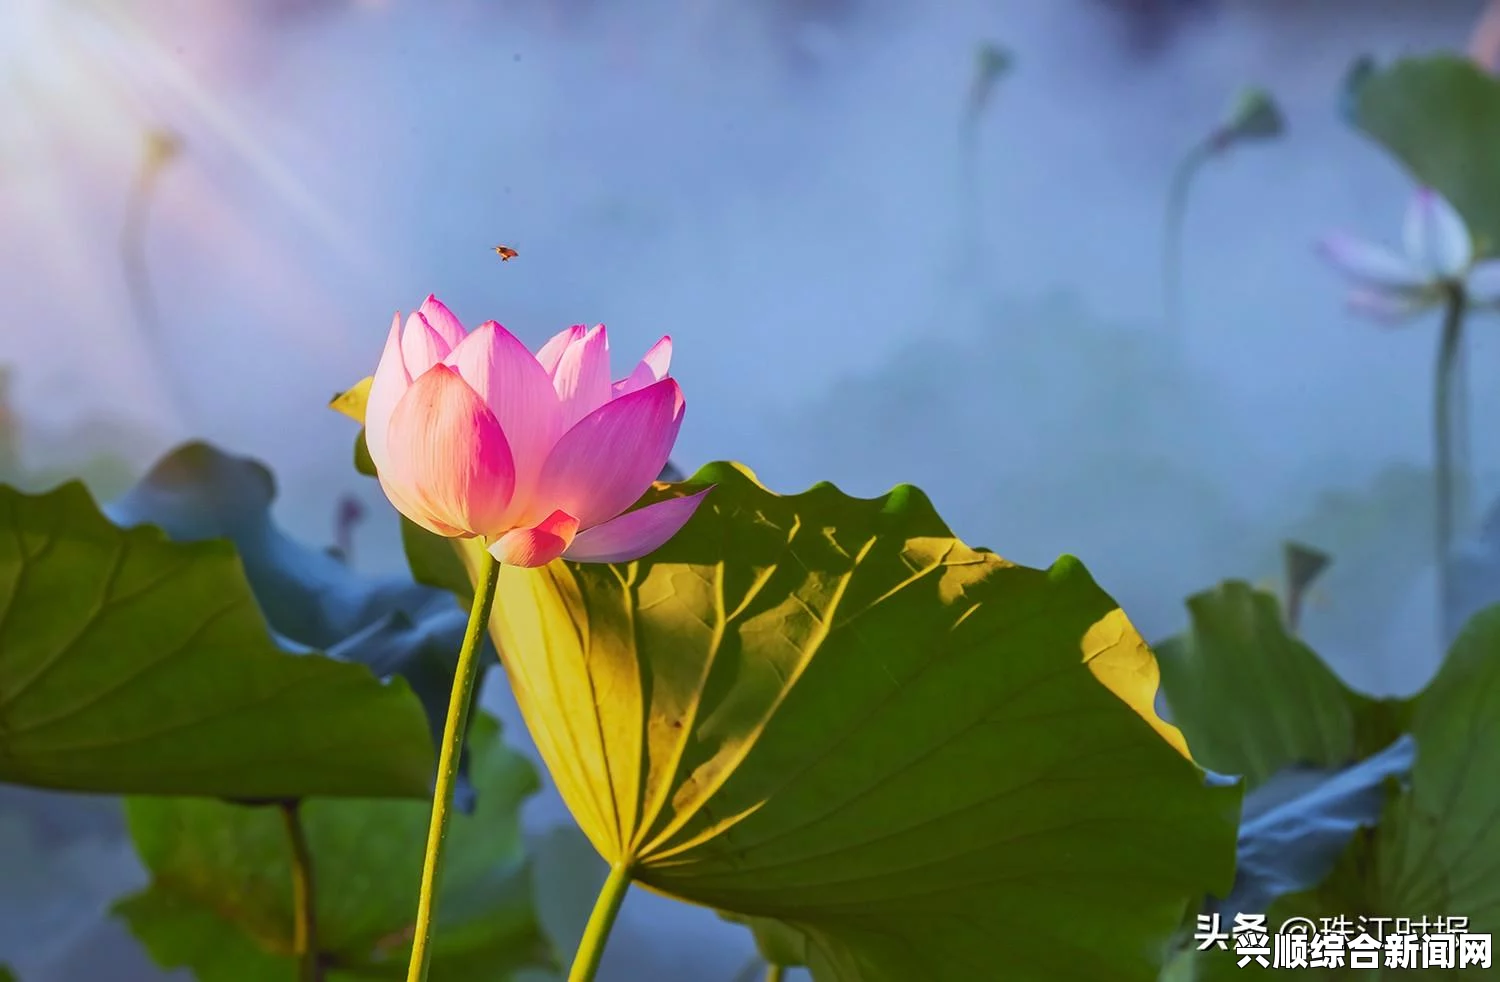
{"x":304,"y":896}
{"x":449,"y":754}
{"x":601,"y":922}
{"x":1449,"y":348}
{"x":162,"y":147}
{"x":971,"y":236}
{"x":1176,"y":214}
{"x":133,"y":248}
{"x":992,"y":64}
{"x":1462,"y":444}
{"x":775,"y":972}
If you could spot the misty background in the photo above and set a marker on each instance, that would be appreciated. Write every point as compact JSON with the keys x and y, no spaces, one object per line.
{"x":778,"y":185}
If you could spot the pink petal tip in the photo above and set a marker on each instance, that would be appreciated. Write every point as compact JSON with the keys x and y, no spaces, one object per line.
{"x":538,"y":545}
{"x":635,"y":533}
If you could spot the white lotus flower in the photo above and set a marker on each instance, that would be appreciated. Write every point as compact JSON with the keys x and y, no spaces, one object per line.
{"x":1439,"y":255}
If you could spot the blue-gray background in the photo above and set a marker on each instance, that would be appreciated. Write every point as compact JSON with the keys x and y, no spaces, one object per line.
{"x":776,"y":184}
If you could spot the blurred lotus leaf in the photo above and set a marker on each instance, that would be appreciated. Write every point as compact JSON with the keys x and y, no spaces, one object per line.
{"x":220,"y":898}
{"x":136,"y":665}
{"x":829,"y":713}
{"x":567,"y":876}
{"x":1294,"y":843}
{"x":1127,"y":422}
{"x":96,"y":452}
{"x":1252,"y":699}
{"x":777,"y":943}
{"x":310,"y":599}
{"x":1436,"y":847}
{"x":1440,"y":117}
{"x":1181,"y":967}
{"x":1476,"y":569}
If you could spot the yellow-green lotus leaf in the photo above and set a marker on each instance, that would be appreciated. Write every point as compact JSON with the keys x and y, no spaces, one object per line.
{"x":929,"y":762}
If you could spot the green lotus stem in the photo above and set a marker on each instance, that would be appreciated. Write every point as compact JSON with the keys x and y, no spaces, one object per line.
{"x":304,"y":896}
{"x":1462,"y":474}
{"x":1449,"y":347}
{"x":1177,"y":199}
{"x":970,"y":264}
{"x":601,"y":921}
{"x":448,"y":757}
{"x":775,"y":973}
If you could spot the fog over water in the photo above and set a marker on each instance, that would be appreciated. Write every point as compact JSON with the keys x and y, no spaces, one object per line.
{"x":783,"y":197}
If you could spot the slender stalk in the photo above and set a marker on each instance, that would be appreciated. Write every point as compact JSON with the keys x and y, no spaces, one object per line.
{"x":601,"y":921}
{"x":133,"y":249}
{"x":448,"y":757}
{"x":1176,"y":215}
{"x":775,"y":973}
{"x":1449,"y":346}
{"x":162,"y":147}
{"x":992,"y":65}
{"x":971,"y":222}
{"x":304,"y":896}
{"x":1462,"y":446}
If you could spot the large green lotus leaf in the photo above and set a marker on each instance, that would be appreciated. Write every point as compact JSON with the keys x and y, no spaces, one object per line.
{"x":777,"y":943}
{"x":830,"y":712}
{"x":220,"y":897}
{"x":1180,"y":967}
{"x":134,"y":665}
{"x":311,"y":599}
{"x":1436,"y":849}
{"x":1440,"y":116}
{"x":1252,"y":699}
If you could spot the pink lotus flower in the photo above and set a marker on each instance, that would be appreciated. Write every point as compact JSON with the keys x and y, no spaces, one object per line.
{"x":539,"y":455}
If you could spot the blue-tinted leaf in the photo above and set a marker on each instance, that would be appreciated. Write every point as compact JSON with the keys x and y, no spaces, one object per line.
{"x":1292,"y":845}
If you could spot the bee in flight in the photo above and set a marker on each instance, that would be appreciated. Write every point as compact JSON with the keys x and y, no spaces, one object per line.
{"x":506,"y":253}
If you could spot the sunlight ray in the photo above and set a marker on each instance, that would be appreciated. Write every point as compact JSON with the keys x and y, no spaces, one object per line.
{"x":213,"y":112}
